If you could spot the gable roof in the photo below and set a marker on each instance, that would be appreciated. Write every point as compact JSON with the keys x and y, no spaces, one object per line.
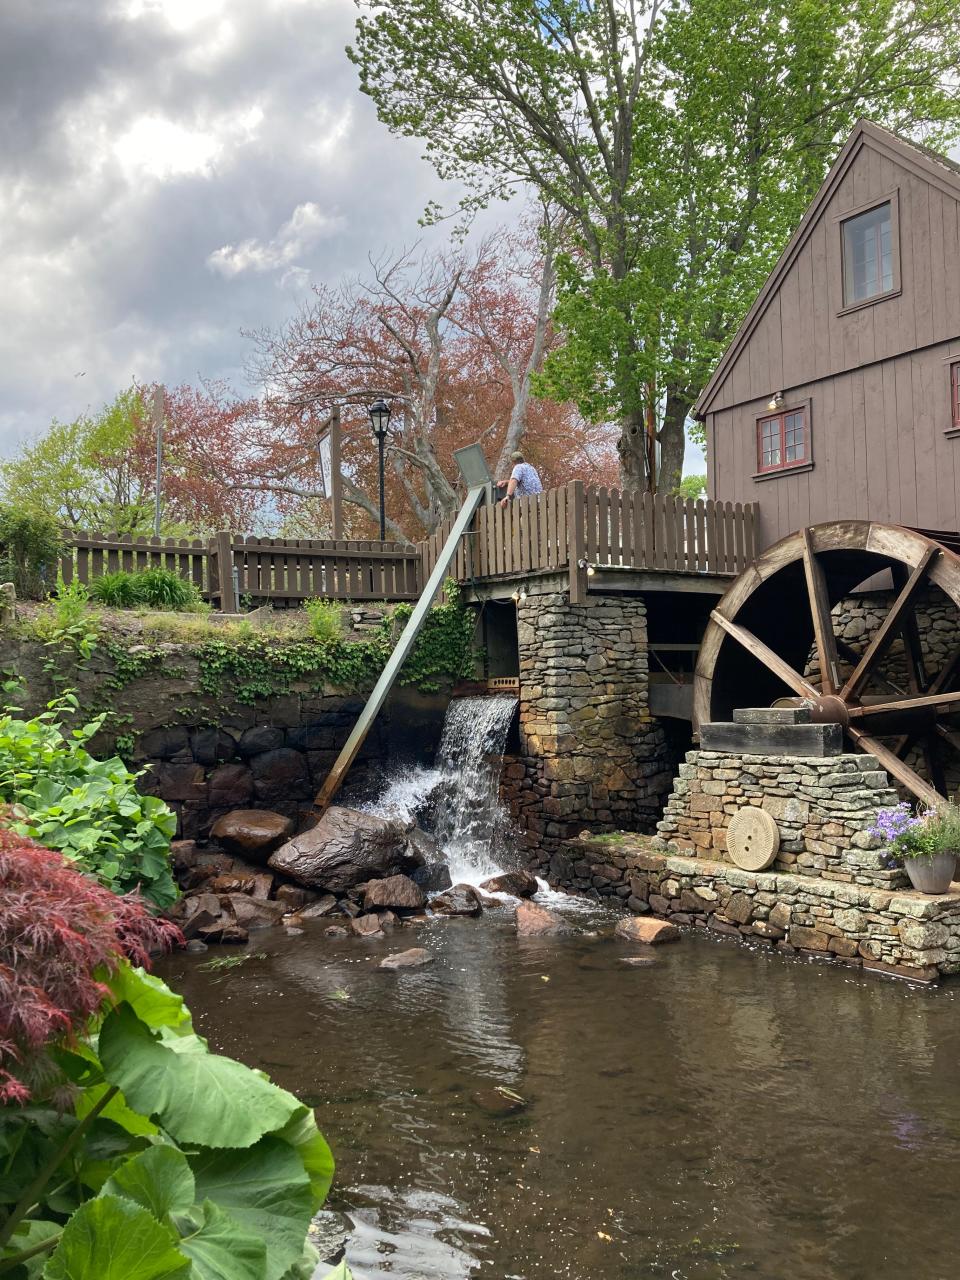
{"x":938,"y":170}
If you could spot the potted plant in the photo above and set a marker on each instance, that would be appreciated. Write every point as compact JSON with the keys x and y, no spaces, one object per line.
{"x":926,"y":845}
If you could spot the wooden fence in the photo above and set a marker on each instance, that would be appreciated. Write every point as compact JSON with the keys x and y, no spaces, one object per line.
{"x":281,"y":571}
{"x":560,"y":531}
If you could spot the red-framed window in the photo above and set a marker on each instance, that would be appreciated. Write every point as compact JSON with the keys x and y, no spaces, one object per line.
{"x":783,"y":440}
{"x":955,"y":393}
{"x":868,"y":266}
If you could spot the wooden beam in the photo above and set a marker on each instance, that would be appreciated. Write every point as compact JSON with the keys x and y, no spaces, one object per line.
{"x":896,"y":768}
{"x":931,"y":701}
{"x":890,"y":625}
{"x":822,"y":622}
{"x":763,"y":653}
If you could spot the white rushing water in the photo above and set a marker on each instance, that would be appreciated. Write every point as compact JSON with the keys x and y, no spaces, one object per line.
{"x":459,"y":798}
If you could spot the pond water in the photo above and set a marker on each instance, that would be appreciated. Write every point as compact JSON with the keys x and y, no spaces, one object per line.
{"x":721,"y":1112}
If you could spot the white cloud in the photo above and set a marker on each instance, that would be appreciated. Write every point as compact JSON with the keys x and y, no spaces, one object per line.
{"x":306,"y":226}
{"x":162,"y":148}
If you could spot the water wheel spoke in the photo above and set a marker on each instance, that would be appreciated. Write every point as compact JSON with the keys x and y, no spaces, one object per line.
{"x":890,"y":626}
{"x":763,"y":653}
{"x":945,"y":675}
{"x":848,"y":652}
{"x":824,"y":637}
{"x":932,"y":762}
{"x":950,"y":736}
{"x":931,"y":702}
{"x":907,"y":777}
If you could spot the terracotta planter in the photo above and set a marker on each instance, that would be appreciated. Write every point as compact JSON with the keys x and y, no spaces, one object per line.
{"x":931,"y":875}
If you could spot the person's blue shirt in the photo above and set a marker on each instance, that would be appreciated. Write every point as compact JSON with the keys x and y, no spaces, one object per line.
{"x":527,"y":480}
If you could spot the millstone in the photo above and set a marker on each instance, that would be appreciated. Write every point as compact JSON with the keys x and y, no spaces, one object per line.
{"x":752,"y":839}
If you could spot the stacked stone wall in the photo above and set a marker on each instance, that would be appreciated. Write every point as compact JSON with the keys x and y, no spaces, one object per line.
{"x":890,"y":930}
{"x":590,"y":753}
{"x":823,"y":809}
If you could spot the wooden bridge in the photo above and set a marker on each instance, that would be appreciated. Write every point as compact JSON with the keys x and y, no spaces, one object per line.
{"x":590,"y":539}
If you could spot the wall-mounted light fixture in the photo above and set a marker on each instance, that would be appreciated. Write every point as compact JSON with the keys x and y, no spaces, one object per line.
{"x":585,"y":564}
{"x":519,"y":594}
{"x":775,"y":401}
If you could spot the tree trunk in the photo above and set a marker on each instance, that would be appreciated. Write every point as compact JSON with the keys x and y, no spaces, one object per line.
{"x":632,"y":449}
{"x":672,"y":442}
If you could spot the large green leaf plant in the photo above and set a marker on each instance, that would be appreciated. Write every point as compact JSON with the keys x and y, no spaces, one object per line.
{"x":87,"y":809}
{"x":169,"y":1161}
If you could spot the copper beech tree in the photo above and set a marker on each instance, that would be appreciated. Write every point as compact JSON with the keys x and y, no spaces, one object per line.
{"x":452,"y":339}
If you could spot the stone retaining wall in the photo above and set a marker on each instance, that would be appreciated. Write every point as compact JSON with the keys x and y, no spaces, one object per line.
{"x":894,"y":931}
{"x":590,"y":753}
{"x":823,"y":809}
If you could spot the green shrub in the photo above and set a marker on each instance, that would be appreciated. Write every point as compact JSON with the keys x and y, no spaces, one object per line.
{"x":170,"y":1161}
{"x":67,"y":620}
{"x":116,"y":590}
{"x":154,"y":588}
{"x":30,"y":548}
{"x":89,"y":810}
{"x":163,"y":589}
{"x":326,"y":619}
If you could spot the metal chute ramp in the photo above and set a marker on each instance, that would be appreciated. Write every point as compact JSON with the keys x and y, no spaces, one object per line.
{"x":479,"y":482}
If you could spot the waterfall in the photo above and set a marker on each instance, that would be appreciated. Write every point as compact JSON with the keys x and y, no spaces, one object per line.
{"x":470,"y":823}
{"x":459,"y":798}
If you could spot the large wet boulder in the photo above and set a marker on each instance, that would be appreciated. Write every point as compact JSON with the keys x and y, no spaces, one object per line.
{"x":534,"y":921}
{"x":434,"y":877}
{"x":650,"y":932}
{"x":399,"y":893}
{"x":345,"y":848}
{"x":254,"y":833}
{"x":461,"y":900}
{"x":520,"y":884}
{"x":422,"y":848}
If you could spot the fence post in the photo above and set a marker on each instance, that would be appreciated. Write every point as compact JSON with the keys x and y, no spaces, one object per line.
{"x":224,"y":552}
{"x":576,"y":542}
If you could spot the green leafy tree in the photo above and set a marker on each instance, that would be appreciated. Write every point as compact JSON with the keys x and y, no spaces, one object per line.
{"x":88,"y":473}
{"x":683,"y":141}
{"x":692,"y":486}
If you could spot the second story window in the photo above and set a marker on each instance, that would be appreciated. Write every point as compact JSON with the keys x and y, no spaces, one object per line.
{"x":955,"y":394}
{"x":783,"y":440}
{"x":868,"y":255}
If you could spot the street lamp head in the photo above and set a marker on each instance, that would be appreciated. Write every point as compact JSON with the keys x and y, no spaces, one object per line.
{"x":379,"y":413}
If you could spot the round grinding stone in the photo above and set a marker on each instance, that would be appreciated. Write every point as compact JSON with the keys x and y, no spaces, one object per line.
{"x":752,"y":839}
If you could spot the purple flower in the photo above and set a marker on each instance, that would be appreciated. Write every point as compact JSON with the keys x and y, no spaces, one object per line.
{"x":892,"y":824}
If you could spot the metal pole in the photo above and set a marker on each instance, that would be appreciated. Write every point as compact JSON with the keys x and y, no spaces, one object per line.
{"x":158,"y":483}
{"x":383,"y":514}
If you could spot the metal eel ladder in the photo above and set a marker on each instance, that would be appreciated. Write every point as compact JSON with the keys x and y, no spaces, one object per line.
{"x":475,"y":495}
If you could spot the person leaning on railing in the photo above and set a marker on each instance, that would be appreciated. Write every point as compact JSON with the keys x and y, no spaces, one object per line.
{"x":523,"y":480}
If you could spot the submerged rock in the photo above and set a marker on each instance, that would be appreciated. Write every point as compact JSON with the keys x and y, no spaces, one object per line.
{"x":414,"y":958}
{"x":534,"y":921}
{"x":641,"y":929}
{"x":498,"y":1101}
{"x":344,"y":849}
{"x":521,"y":884}
{"x":366,"y":927}
{"x":461,"y":900}
{"x":397,"y":892}
{"x":642,"y":961}
{"x":255,"y":833}
{"x":336,"y":931}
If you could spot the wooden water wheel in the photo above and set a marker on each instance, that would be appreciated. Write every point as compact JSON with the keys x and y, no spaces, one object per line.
{"x":771,"y":640}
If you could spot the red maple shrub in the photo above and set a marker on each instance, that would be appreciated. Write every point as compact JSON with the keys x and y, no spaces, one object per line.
{"x":57,"y":929}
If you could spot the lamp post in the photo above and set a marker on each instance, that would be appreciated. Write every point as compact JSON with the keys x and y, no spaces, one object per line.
{"x":379,"y":413}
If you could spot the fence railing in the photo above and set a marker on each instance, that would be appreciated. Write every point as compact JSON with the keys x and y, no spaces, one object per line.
{"x":562,"y":530}
{"x":573,"y":528}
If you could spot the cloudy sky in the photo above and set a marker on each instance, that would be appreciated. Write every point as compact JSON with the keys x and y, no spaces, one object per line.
{"x":171,"y":172}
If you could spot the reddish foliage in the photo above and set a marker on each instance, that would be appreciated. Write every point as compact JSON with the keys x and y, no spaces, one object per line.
{"x":57,"y":928}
